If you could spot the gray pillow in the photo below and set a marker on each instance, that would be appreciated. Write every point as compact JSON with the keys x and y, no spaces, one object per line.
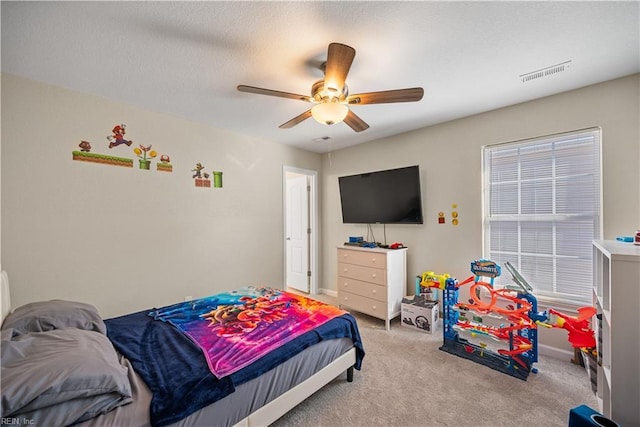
{"x":61,"y":377}
{"x":56,"y":314}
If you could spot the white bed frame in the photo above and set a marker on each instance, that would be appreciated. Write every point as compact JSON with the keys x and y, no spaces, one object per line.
{"x":287,"y":401}
{"x":274,"y":409}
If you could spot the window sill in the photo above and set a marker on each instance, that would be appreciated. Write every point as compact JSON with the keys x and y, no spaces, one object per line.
{"x":560,"y":305}
{"x":545,"y":303}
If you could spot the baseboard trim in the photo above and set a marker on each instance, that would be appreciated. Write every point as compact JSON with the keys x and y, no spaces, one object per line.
{"x":329,"y":292}
{"x":556,"y":353}
{"x":543,"y":350}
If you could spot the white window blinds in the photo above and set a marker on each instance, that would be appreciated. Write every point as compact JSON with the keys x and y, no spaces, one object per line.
{"x":542,"y":210}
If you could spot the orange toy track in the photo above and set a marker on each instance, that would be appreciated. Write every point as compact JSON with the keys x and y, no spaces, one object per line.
{"x":580,"y":335}
{"x":519,"y":315}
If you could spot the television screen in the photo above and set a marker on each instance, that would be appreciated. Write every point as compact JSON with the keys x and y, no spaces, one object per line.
{"x":385,"y":197}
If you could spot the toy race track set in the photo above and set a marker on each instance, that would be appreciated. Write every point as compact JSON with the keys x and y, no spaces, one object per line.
{"x":466,"y":335}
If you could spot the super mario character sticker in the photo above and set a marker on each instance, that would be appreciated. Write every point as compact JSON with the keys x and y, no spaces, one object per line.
{"x":116,"y":140}
{"x":202,"y":178}
{"x":117,"y":137}
{"x":217,"y":179}
{"x":145,"y":154}
{"x":85,"y":155}
{"x":454,"y":215}
{"x":165,"y":164}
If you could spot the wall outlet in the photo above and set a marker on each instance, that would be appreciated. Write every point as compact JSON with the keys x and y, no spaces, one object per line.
{"x":188,"y":298}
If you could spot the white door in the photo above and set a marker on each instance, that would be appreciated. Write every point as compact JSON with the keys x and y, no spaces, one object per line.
{"x":297,"y":232}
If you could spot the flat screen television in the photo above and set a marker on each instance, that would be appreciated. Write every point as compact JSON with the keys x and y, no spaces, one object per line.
{"x":385,"y":197}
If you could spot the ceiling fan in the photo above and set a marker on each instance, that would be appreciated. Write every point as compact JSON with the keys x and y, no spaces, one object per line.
{"x":331,"y":94}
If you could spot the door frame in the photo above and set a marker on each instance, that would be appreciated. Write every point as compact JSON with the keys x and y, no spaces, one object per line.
{"x":313,"y":223}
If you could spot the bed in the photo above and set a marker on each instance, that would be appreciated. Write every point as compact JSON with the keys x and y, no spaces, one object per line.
{"x":142,"y":369}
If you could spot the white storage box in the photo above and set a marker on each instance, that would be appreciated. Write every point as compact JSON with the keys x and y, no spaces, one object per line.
{"x":419,"y":313}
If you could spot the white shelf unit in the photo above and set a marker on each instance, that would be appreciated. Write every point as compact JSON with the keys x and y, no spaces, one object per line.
{"x":372,"y":280}
{"x":616,"y":286}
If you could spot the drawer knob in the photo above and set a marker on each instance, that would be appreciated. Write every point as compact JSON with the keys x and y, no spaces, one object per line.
{"x":374,"y":291}
{"x":373,"y":260}
{"x":374,"y":307}
{"x":373,"y":275}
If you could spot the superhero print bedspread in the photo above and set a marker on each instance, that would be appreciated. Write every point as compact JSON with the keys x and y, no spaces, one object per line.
{"x":234,"y":329}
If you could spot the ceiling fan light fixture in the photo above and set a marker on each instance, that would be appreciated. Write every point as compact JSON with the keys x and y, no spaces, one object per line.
{"x":330,"y":95}
{"x":329,"y":112}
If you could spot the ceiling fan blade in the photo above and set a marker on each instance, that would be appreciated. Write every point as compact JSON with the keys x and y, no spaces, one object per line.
{"x":355,"y":122}
{"x":399,"y":95}
{"x":339,"y":59}
{"x":261,"y":91}
{"x":297,"y":119}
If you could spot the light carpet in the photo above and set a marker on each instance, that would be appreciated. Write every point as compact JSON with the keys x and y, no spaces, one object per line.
{"x":407,"y":381}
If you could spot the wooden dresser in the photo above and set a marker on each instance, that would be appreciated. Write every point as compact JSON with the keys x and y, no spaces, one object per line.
{"x":372,"y":280}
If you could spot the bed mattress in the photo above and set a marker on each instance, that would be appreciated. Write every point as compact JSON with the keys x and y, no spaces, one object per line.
{"x":246,"y":399}
{"x":137,"y":371}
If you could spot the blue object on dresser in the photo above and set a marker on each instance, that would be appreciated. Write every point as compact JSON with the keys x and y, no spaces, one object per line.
{"x":584,"y":416}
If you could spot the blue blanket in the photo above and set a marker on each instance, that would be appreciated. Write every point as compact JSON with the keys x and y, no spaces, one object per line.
{"x":176,"y":372}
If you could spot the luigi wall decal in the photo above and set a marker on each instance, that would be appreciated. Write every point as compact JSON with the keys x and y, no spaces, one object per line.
{"x":202,"y":178}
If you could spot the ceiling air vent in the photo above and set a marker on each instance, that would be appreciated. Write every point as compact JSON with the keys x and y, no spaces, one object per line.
{"x":554,"y":69}
{"x":321,"y":139}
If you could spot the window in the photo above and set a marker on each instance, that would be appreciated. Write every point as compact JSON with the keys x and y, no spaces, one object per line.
{"x":542,"y":209}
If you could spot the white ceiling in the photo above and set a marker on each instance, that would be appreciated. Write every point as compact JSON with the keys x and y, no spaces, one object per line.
{"x":186,"y":58}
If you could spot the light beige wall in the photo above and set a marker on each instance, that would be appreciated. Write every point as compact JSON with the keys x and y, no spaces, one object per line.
{"x":127,"y":239}
{"x":0,"y":180}
{"x":449,"y":156}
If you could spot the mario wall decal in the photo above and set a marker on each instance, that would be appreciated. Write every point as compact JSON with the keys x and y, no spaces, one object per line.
{"x":116,"y":139}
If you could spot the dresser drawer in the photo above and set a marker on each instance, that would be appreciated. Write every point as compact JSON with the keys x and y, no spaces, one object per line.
{"x":365,"y":258}
{"x":365,"y":289}
{"x":365,"y":274}
{"x":363,"y":304}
